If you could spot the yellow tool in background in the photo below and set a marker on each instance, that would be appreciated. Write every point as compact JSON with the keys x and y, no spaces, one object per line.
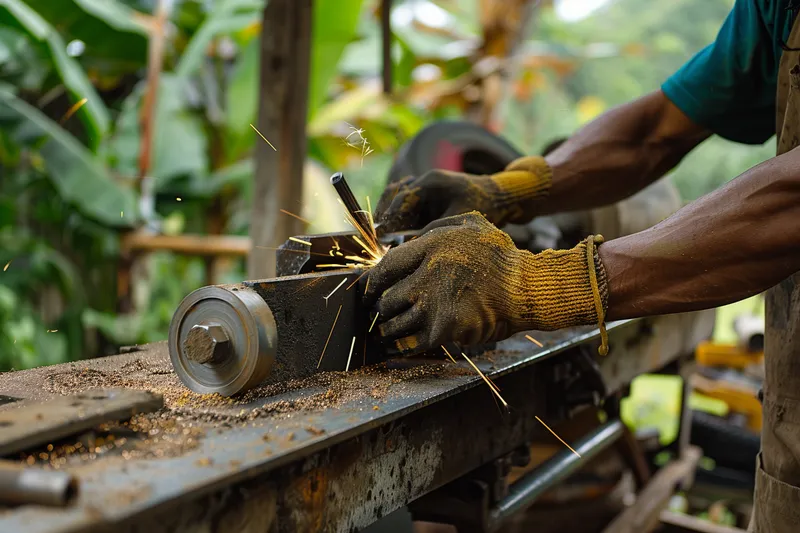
{"x":733,"y":372}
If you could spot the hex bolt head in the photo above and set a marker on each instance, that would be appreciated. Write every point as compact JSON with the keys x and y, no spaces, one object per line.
{"x":206,"y":343}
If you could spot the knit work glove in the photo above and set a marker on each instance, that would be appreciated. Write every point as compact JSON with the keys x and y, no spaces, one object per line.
{"x":464,"y":281}
{"x":509,"y":196}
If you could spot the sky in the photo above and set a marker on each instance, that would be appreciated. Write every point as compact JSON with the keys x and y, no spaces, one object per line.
{"x":433,"y":15}
{"x":574,"y":10}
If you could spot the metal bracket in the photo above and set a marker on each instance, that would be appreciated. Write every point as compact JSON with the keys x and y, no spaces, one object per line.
{"x":478,"y":503}
{"x":30,"y":424}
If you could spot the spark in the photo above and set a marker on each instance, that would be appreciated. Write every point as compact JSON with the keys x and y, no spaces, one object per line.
{"x":7,"y":265}
{"x":178,"y":198}
{"x":298,"y":217}
{"x":361,"y":143}
{"x":301,"y":241}
{"x":366,"y":248}
{"x":262,"y":136}
{"x":367,"y":285}
{"x":293,"y":251}
{"x":369,"y":243}
{"x":448,"y":354}
{"x":375,"y":320}
{"x":347,"y":368}
{"x":331,"y":265}
{"x":121,"y":214}
{"x":356,"y":281}
{"x":52,"y":330}
{"x":489,"y":382}
{"x":72,"y":110}
{"x":329,"y":336}
{"x":556,"y":436}
{"x":357,"y":259}
{"x":334,"y":290}
{"x":369,"y":213}
{"x":534,"y":341}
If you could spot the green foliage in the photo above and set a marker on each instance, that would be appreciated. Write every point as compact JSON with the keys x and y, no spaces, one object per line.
{"x":227,"y":16}
{"x":18,"y":15}
{"x":72,"y":167}
{"x":241,"y":102}
{"x":334,"y":27}
{"x":619,"y":53}
{"x":180,"y":144}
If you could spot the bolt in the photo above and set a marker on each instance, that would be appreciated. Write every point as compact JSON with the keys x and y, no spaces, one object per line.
{"x":206,"y":343}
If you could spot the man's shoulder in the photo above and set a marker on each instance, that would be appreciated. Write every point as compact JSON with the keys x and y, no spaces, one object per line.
{"x":730,"y":86}
{"x":777,"y":15}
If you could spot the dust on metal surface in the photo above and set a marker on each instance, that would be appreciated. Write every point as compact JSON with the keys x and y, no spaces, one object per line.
{"x":114,"y":489}
{"x":28,"y":424}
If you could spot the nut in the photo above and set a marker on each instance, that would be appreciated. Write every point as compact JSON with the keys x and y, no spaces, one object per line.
{"x":206,"y":343}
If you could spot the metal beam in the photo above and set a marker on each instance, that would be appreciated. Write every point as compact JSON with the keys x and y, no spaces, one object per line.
{"x":390,"y":436}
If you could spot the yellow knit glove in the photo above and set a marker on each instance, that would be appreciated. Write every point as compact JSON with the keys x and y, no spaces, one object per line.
{"x":464,"y":281}
{"x":510,"y":196}
{"x":562,"y":288}
{"x":519,"y":188}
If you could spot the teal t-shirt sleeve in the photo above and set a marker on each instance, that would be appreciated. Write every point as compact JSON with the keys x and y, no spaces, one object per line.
{"x":729,"y":87}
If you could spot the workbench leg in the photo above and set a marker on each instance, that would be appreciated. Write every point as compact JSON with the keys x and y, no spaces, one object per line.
{"x":681,"y":444}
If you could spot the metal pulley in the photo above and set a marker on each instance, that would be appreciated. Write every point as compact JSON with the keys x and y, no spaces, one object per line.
{"x":223,"y":339}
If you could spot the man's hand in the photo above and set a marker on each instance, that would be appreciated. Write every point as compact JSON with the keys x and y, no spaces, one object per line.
{"x":463,"y":280}
{"x":507,"y":196}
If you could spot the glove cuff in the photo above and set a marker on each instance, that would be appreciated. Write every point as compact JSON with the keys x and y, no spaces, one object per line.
{"x":518,"y":189}
{"x":563,"y":288}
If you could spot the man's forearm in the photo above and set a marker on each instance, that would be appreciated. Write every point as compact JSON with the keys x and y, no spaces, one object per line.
{"x":726,"y":246}
{"x":620,"y":153}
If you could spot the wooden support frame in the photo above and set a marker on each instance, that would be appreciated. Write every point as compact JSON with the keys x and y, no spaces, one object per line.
{"x":644,"y":515}
{"x":198,"y":245}
{"x":681,"y":523}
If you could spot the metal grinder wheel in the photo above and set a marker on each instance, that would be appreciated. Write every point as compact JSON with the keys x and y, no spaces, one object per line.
{"x":222,"y":339}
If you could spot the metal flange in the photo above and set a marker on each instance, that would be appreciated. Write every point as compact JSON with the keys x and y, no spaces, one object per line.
{"x":223,"y":339}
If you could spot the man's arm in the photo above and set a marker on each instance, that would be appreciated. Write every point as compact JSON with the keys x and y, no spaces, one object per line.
{"x":463,"y":279}
{"x":620,"y":153}
{"x":608,"y":160}
{"x":728,"y":88}
{"x":726,"y":246}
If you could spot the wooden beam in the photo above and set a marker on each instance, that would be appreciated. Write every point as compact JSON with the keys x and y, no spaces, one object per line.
{"x":681,"y":523}
{"x":199,"y":245}
{"x":283,"y":104}
{"x":644,"y":515}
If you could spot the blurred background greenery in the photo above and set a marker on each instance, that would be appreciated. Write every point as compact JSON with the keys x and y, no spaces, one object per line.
{"x":67,"y":181}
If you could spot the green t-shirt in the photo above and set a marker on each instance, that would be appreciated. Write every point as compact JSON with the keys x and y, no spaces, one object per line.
{"x":729,"y":87}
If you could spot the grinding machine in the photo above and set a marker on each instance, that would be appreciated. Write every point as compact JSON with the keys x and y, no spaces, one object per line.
{"x":227,"y":339}
{"x":296,"y":444}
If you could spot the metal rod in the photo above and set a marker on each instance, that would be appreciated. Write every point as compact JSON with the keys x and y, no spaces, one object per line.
{"x":350,"y":202}
{"x":26,"y":486}
{"x":556,"y":469}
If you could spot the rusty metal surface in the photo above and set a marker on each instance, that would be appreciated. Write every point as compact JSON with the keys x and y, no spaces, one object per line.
{"x":334,"y":468}
{"x":305,"y":309}
{"x":27,"y":424}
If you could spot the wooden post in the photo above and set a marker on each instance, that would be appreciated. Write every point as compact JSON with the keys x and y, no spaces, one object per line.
{"x":147,"y":120}
{"x":283,"y":105}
